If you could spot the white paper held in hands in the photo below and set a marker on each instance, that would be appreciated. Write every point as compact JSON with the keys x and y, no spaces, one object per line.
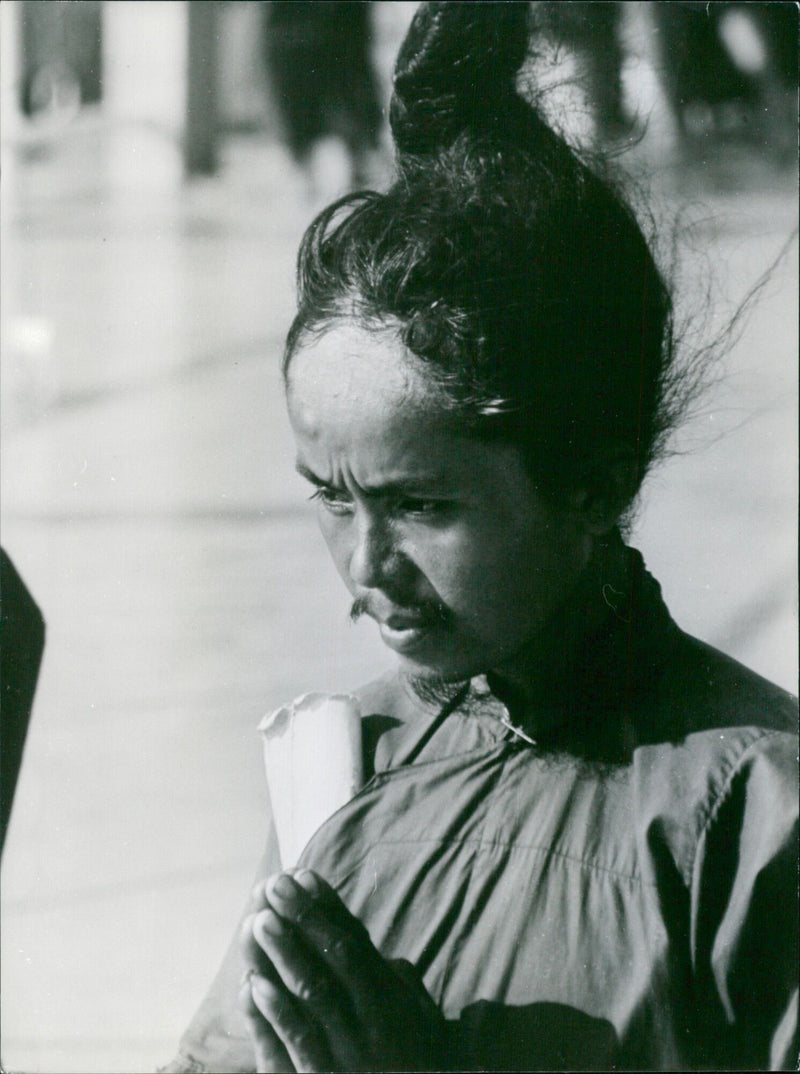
{"x":313,"y":760}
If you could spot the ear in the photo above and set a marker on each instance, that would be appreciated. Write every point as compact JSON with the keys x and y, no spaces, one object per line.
{"x":605,"y":494}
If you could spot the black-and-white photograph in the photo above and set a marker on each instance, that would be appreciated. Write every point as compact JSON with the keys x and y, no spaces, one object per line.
{"x":399,"y":508}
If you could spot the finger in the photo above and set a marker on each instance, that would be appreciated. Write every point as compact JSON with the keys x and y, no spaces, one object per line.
{"x":253,"y":954}
{"x":381,"y":993}
{"x":296,"y":892}
{"x":258,"y":896}
{"x":339,"y":939}
{"x":269,"y":1050}
{"x":258,"y":893}
{"x":300,"y":1035}
{"x":307,"y":977}
{"x":318,"y":913}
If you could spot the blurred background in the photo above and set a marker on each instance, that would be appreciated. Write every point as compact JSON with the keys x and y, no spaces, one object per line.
{"x":160,"y":161}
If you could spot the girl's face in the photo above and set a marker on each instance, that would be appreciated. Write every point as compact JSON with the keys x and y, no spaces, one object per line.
{"x":442,"y":539}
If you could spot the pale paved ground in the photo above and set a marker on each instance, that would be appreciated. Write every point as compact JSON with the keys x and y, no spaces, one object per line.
{"x":148,"y":498}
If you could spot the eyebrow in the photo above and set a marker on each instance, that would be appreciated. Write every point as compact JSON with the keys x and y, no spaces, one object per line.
{"x":309,"y":475}
{"x":390,"y":488}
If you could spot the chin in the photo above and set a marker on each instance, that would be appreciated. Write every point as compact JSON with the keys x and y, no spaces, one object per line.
{"x":437,"y":652}
{"x":445,"y":668}
{"x":431,"y":688}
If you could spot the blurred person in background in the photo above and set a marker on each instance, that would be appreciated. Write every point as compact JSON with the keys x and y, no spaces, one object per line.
{"x":576,"y":844}
{"x":730,"y":70}
{"x":593,"y":32}
{"x":318,"y":60}
{"x":21,"y":647}
{"x":61,"y":44}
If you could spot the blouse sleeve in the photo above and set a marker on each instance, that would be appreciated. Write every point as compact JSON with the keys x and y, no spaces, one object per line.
{"x":744,"y":914}
{"x":217,"y":1038}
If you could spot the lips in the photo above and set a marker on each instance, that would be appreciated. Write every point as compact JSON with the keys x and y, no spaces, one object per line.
{"x":403,"y":627}
{"x":404,"y":635}
{"x":406,"y":620}
{"x":406,"y":629}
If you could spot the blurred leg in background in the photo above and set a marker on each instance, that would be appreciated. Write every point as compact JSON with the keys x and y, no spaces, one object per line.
{"x":61,"y":44}
{"x":591,"y":32}
{"x":318,"y":59}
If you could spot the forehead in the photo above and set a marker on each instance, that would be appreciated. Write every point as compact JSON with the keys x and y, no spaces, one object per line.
{"x":351,"y":371}
{"x":364,"y":413}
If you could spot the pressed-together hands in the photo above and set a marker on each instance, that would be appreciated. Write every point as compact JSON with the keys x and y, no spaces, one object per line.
{"x":319,"y":997}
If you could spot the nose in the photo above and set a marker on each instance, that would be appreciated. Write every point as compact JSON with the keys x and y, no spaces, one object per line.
{"x":374,"y":557}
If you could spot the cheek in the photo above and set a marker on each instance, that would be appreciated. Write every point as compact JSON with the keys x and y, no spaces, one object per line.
{"x":457,"y":563}
{"x":507,"y":572}
{"x":335,"y":532}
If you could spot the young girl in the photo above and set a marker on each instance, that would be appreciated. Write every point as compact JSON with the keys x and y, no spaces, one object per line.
{"x":574,"y":848}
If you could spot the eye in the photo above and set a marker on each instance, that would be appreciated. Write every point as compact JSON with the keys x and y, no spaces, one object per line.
{"x":413,"y":505}
{"x":333,"y":500}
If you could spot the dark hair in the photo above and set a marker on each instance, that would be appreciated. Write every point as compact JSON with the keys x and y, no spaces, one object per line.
{"x":516,"y":273}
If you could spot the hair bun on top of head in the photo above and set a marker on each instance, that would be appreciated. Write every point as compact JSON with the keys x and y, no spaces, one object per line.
{"x":456,"y":70}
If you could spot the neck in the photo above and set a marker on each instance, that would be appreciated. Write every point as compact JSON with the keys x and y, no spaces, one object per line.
{"x":543,"y":679}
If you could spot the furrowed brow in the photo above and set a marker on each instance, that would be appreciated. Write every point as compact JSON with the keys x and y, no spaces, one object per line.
{"x":389,"y":489}
{"x":309,"y":475}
